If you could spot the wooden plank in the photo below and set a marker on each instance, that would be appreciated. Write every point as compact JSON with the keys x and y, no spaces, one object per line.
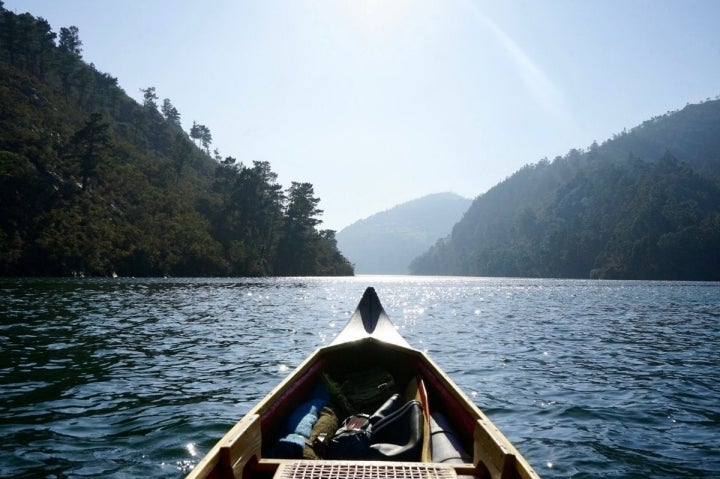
{"x":206,"y":465}
{"x":497,"y":453}
{"x":242,"y":444}
{"x":491,"y":452}
{"x":423,"y":398}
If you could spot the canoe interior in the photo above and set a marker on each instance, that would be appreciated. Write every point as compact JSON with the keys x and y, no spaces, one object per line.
{"x":367,"y":345}
{"x":246,"y":451}
{"x":402,"y":364}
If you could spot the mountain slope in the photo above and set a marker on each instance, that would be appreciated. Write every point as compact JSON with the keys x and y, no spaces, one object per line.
{"x":93,"y":183}
{"x":644,"y":205}
{"x":386,"y":242}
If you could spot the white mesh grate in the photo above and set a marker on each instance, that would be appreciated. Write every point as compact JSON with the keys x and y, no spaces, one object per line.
{"x":363,"y":470}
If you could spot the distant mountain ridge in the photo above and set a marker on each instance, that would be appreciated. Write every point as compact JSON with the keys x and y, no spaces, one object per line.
{"x":386,"y":242}
{"x":643,"y":205}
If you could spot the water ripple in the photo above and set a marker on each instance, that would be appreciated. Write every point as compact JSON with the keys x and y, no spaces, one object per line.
{"x":139,"y":378}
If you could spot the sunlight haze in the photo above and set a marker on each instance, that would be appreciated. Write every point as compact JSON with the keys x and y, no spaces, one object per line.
{"x":376,"y":103}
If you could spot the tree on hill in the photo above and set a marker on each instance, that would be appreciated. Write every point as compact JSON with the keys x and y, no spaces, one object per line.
{"x":298,"y":232}
{"x":302,"y":247}
{"x":302,"y":207}
{"x":201,"y":134}
{"x":248,"y":214}
{"x":150,"y":98}
{"x":171,"y":114}
{"x":90,"y":146}
{"x":70,"y":42}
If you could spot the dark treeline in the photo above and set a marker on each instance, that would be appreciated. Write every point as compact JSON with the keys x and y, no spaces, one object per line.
{"x":91,"y":182}
{"x":643,"y":205}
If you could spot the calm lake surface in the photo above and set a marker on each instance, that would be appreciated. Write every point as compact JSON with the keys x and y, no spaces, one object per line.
{"x":139,"y":377}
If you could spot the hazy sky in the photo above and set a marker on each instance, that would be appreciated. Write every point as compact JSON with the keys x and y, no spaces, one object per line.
{"x":379,"y":102}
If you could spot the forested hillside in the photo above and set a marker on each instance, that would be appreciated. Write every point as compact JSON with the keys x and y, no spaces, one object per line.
{"x":91,"y":182}
{"x":386,"y":242}
{"x":643,"y":205}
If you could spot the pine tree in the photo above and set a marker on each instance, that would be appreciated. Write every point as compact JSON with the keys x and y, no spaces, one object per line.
{"x":70,"y":41}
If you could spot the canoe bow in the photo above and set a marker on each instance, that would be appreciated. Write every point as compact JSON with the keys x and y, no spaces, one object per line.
{"x":370,"y":321}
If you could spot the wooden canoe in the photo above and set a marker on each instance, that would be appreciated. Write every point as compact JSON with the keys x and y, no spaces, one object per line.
{"x":369,"y":342}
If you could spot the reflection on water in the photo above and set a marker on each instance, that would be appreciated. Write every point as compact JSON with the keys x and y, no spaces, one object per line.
{"x":139,"y":378}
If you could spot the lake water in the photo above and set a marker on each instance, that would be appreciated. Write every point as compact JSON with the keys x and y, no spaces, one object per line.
{"x":138,"y":378}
